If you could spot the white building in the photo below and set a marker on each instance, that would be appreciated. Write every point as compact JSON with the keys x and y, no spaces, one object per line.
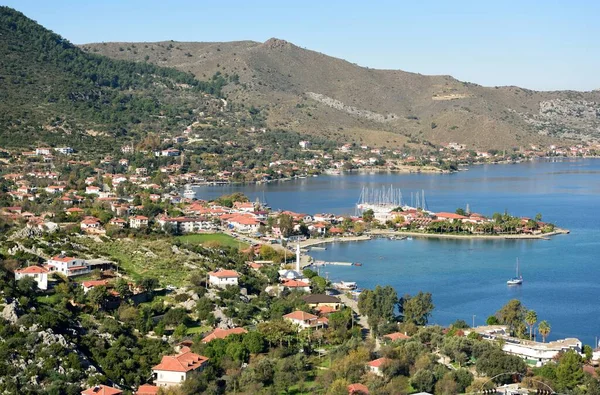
{"x":138,"y":221}
{"x":42,"y":151}
{"x":187,"y":224}
{"x":92,"y":190}
{"x":305,"y":144}
{"x":174,"y":369}
{"x":376,"y":366}
{"x":68,"y":266}
{"x":223,"y":278}
{"x":39,"y":274}
{"x":64,"y":150}
{"x":305,"y":320}
{"x":532,"y":351}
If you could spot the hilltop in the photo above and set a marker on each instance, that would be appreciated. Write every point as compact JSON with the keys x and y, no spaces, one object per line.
{"x":55,"y":93}
{"x":313,"y":93}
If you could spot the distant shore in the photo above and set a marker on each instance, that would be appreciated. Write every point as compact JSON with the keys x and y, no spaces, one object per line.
{"x":375,"y":233}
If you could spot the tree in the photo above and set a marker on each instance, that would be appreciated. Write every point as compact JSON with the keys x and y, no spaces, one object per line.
{"x":423,"y":380}
{"x":416,"y":309}
{"x":512,"y":314}
{"x":492,"y":320}
{"x":538,"y":217}
{"x":544,"y":329}
{"x":531,"y":319}
{"x":378,"y":305}
{"x":148,"y":284}
{"x":447,"y":385}
{"x":254,"y":342}
{"x":569,"y":372}
{"x":122,"y":287}
{"x":460,"y":211}
{"x":97,"y":296}
{"x":368,"y":215}
{"x":286,"y":224}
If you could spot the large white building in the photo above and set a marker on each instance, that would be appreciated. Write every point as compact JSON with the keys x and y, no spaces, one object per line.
{"x":68,"y":266}
{"x":174,"y":369}
{"x":223,"y":278}
{"x":532,"y":351}
{"x":39,"y":274}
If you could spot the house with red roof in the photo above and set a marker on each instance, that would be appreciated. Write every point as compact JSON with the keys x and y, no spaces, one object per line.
{"x":223,"y":278}
{"x":138,"y":222}
{"x":358,"y":389}
{"x":396,"y":336}
{"x":174,"y":369}
{"x":88,"y":285}
{"x":101,"y":390}
{"x":38,"y":273}
{"x":244,"y":223}
{"x":296,"y":285}
{"x":450,"y":216}
{"x":68,"y":266}
{"x":219,"y":333}
{"x":305,"y":320}
{"x":118,"y":222}
{"x":376,"y":365}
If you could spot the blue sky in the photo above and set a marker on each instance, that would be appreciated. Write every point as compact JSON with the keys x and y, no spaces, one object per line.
{"x":544,"y":45}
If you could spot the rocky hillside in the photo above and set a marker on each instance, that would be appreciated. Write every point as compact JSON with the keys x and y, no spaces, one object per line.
{"x":317,"y":94}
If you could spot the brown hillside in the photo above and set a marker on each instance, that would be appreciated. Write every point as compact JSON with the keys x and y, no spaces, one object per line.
{"x":317,"y":94}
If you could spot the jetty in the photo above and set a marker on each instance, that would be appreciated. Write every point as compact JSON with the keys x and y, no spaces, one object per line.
{"x":325,"y":263}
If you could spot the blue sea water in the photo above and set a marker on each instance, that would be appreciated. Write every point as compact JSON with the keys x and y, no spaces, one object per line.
{"x":468,"y":277}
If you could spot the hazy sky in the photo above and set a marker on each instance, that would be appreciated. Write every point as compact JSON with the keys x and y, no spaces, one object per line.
{"x":544,"y":44}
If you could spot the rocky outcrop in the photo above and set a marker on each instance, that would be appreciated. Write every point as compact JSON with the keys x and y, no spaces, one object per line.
{"x":10,"y":312}
{"x":338,"y":105}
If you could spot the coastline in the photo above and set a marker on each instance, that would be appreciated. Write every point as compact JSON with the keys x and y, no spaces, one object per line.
{"x":541,"y":236}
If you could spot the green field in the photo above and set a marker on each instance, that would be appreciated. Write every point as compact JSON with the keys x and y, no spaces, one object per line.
{"x":221,"y":238}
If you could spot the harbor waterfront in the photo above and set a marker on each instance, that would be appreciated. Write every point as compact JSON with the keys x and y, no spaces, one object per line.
{"x":468,"y":277}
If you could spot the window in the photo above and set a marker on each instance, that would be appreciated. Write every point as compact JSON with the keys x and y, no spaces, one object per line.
{"x":182,"y":377}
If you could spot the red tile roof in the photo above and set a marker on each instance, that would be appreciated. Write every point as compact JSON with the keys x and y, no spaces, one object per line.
{"x":223,"y":333}
{"x":183,"y":362}
{"x":378,"y":362}
{"x":101,"y":390}
{"x":295,"y":284}
{"x":300,"y":315}
{"x":222,"y":273}
{"x":357,"y":388}
{"x":450,"y":215}
{"x":147,"y":389}
{"x":94,"y":283}
{"x":32,"y":270}
{"x":62,"y":258}
{"x":396,"y":336}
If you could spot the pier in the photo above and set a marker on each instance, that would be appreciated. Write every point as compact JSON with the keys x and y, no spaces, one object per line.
{"x":325,"y":263}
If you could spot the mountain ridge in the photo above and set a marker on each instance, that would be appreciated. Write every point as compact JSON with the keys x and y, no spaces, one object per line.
{"x":285,"y":79}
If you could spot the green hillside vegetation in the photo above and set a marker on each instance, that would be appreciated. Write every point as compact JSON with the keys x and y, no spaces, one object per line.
{"x":49,"y":85}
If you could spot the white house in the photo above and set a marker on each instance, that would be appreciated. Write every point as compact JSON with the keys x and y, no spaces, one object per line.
{"x":296,"y":285}
{"x":92,"y":190}
{"x":174,"y":369}
{"x":64,"y":150}
{"x":68,"y":266}
{"x":305,"y":320}
{"x":138,"y":221}
{"x":304,"y":144}
{"x":39,"y":274}
{"x":89,"y":285}
{"x":223,"y":278}
{"x":42,"y":151}
{"x":187,"y":224}
{"x":376,"y":366}
{"x":244,"y":223}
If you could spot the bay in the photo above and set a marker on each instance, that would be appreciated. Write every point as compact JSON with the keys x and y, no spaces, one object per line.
{"x":468,"y":277}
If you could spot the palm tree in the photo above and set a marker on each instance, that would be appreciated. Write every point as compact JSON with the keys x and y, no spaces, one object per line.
{"x":531,"y":319}
{"x":544,"y":329}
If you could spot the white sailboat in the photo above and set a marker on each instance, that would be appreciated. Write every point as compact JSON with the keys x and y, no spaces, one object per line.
{"x":518,"y":279}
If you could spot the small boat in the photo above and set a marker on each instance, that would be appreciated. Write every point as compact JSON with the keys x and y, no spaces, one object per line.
{"x":518,"y":279}
{"x":357,"y":264}
{"x":345,"y":285}
{"x":189,"y":193}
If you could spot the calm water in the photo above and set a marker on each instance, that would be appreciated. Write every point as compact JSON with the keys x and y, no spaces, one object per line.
{"x":468,"y":277}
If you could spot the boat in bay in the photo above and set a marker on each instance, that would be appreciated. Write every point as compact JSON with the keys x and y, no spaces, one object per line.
{"x":518,"y":279}
{"x":345,"y":286}
{"x":188,"y":192}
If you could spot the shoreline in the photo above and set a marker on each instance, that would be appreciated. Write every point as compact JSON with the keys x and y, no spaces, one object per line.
{"x":541,"y":236}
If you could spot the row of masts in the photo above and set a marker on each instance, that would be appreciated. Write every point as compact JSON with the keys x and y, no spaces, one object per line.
{"x":390,"y":197}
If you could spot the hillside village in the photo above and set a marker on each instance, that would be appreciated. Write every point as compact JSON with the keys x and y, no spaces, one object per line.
{"x":117,"y":278}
